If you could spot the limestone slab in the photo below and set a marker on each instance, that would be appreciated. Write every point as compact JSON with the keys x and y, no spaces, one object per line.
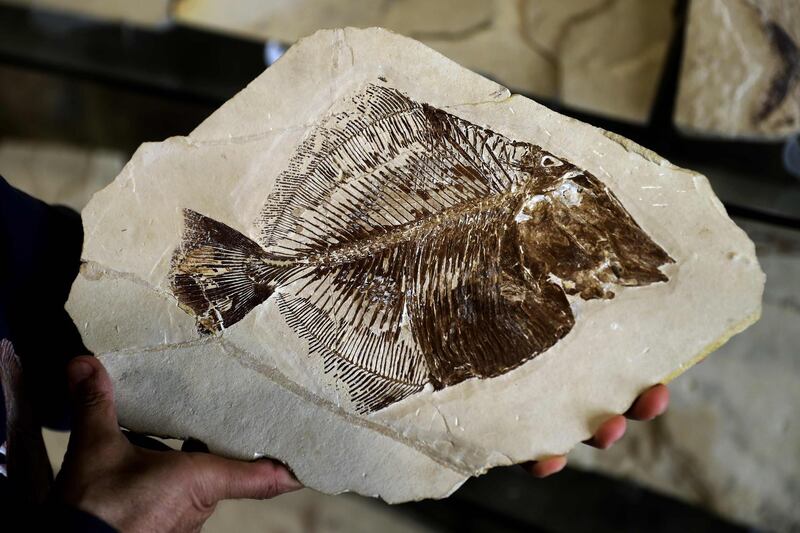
{"x":740,"y":76}
{"x":391,"y":274}
{"x":573,"y":52}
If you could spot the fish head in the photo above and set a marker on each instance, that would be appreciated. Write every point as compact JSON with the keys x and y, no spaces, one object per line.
{"x":572,"y":231}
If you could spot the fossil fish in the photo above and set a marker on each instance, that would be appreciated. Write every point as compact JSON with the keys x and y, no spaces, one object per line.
{"x":408,"y":246}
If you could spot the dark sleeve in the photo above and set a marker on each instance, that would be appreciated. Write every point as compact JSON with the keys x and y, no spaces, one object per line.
{"x":40,"y":249}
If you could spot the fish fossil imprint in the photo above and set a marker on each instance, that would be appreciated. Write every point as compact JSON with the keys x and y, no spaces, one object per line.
{"x":409,"y":246}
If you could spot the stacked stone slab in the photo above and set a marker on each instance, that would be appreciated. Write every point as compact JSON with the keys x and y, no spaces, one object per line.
{"x":741,"y":69}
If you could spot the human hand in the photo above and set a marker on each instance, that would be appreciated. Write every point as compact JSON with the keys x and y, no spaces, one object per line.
{"x":650,"y":404}
{"x":137,"y":489}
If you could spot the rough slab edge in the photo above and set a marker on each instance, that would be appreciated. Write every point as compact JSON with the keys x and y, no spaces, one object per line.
{"x":716,"y":345}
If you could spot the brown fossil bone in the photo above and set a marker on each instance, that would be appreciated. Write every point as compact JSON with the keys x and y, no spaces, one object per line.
{"x":396,"y":211}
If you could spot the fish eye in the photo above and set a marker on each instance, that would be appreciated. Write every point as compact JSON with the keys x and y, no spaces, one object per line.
{"x":550,"y":161}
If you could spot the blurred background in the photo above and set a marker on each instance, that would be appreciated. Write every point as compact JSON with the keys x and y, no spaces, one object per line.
{"x":712,"y":85}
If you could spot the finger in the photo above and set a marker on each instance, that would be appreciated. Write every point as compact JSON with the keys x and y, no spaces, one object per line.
{"x":650,"y":404}
{"x":608,"y":433}
{"x":545,"y":467}
{"x":93,"y":401}
{"x":228,"y":478}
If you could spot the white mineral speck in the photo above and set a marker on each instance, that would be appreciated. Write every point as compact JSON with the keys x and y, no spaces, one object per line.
{"x":404,"y":316}
{"x":533,"y":200}
{"x":569,"y":193}
{"x":521,"y":217}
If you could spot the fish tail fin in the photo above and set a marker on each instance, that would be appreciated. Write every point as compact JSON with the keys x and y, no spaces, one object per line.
{"x":218,"y":274}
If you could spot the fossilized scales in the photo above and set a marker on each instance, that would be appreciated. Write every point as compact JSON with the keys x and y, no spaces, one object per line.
{"x":389,"y":273}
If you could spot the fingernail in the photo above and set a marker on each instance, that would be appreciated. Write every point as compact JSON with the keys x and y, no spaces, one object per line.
{"x":79,"y":371}
{"x":291,"y":483}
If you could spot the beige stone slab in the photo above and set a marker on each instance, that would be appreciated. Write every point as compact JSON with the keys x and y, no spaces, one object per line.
{"x":255,"y":383}
{"x":602,"y":56}
{"x":741,"y":69}
{"x":611,"y":63}
{"x":140,"y":12}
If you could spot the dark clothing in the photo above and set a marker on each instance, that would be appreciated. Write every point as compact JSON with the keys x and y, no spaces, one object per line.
{"x":40,"y":248}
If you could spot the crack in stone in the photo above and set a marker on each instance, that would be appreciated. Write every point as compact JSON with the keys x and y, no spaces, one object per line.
{"x":94,"y":271}
{"x":248,"y":360}
{"x":156,"y":348}
{"x":240,"y":139}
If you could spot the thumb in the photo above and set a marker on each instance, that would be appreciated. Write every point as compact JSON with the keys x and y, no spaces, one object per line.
{"x":229,"y":478}
{"x":92,"y":396}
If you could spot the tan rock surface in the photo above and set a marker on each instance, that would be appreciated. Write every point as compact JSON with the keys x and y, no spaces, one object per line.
{"x":610,"y":63}
{"x":603,"y":56}
{"x":741,"y":69}
{"x":252,"y":389}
